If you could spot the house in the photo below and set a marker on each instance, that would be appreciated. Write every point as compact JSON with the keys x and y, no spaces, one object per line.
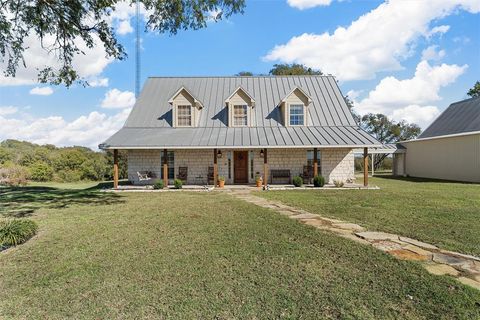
{"x":276,"y":127}
{"x":448,"y":149}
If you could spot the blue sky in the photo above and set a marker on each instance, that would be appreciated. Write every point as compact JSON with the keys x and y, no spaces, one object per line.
{"x":407,"y":59}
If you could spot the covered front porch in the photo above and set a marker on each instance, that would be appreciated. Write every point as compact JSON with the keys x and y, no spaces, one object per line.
{"x":204,"y":167}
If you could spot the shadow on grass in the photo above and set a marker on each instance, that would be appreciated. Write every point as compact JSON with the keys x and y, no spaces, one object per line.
{"x":418,"y":180}
{"x":18,"y":202}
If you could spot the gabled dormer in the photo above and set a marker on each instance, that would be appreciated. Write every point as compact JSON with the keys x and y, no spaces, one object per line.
{"x":240,"y":106}
{"x":294,"y":107}
{"x":185,"y":108}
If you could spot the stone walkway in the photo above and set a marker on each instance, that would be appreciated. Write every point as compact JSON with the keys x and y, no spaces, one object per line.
{"x":464,"y":268}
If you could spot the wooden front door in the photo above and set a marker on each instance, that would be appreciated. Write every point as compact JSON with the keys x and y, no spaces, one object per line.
{"x":240,"y":166}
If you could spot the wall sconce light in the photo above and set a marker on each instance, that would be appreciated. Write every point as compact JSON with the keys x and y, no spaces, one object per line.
{"x":261,"y":153}
{"x":219,"y":153}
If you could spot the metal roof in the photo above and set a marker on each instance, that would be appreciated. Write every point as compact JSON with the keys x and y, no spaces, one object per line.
{"x":389,"y":148}
{"x":331,"y":123}
{"x":459,"y":117}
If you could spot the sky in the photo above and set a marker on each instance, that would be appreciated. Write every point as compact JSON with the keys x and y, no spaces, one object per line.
{"x":408,"y":59}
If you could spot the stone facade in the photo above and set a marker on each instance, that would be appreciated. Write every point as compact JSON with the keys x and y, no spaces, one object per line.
{"x":336,"y":164}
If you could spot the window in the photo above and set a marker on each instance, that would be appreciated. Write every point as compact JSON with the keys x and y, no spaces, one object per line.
{"x":240,"y":115}
{"x":310,"y":161}
{"x":170,"y":164}
{"x":296,"y":115}
{"x":184,"y":116}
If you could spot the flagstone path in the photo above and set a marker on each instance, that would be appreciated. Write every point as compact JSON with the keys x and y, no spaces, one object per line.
{"x":465,"y":268}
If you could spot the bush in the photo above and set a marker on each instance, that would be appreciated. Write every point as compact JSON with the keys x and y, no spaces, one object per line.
{"x":297,"y":181}
{"x":158,"y":184}
{"x":14,"y":176}
{"x":318,"y":181}
{"x":338,"y":183}
{"x":178,"y":183}
{"x":17,"y":231}
{"x":221,"y":178}
{"x":40,"y":171}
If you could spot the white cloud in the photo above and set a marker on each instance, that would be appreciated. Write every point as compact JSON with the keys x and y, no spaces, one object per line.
{"x":411,"y":99}
{"x":438,"y":30}
{"x":124,"y":27}
{"x":98,"y":82}
{"x":41,"y":91}
{"x":432,"y":53}
{"x":89,"y":130}
{"x":307,"y":4}
{"x":4,"y":111}
{"x":116,"y":99}
{"x":375,"y":42}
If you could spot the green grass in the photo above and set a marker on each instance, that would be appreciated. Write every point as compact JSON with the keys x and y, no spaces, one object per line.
{"x":443,"y":213}
{"x":205,"y":256}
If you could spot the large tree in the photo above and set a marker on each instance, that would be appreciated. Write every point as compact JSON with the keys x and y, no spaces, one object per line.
{"x":474,"y":92}
{"x":292,"y":70}
{"x":67,"y":22}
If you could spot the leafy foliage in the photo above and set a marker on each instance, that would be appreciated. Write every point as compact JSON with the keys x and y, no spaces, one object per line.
{"x":293,"y":69}
{"x":244,"y":74}
{"x":13,"y":176}
{"x":389,"y":131}
{"x":338,"y":183}
{"x":49,"y":163}
{"x":318,"y":181}
{"x":177,"y":183}
{"x":158,"y":184}
{"x":16,"y":231}
{"x":62,"y":27}
{"x":474,"y":92}
{"x":297,"y":181}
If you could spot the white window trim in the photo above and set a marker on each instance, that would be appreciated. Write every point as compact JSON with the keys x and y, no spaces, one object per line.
{"x":304,"y":115}
{"x":177,"y":113}
{"x":246,"y":115}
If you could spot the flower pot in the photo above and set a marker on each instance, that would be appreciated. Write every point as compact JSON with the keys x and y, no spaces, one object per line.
{"x":258,"y":183}
{"x":221,"y":183}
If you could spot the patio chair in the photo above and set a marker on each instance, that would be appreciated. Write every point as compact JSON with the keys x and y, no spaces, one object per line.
{"x":145,"y":175}
{"x":182,"y":173}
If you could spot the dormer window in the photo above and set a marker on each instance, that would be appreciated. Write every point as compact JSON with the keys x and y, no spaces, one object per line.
{"x":240,"y":105}
{"x":294,"y":107}
{"x":185,"y":108}
{"x":184,"y":115}
{"x":240,"y":117}
{"x":297,"y":116}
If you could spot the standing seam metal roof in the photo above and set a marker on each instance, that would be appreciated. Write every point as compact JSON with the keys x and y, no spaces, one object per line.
{"x":330,"y":122}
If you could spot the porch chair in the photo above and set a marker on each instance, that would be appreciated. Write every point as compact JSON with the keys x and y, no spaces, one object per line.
{"x":182,"y":173}
{"x":145,"y":175}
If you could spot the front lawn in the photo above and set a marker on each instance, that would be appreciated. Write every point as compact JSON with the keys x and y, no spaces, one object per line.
{"x":443,"y":213}
{"x":205,"y":256}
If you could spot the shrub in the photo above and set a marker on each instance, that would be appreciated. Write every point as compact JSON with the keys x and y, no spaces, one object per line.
{"x":16,"y":231}
{"x":338,"y":183}
{"x":158,"y":184}
{"x":297,"y":181}
{"x":258,"y":178}
{"x":177,"y":183}
{"x":14,"y":176}
{"x":221,"y":178}
{"x":318,"y":181}
{"x":40,"y":171}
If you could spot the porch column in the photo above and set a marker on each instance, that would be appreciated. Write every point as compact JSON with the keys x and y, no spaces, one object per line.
{"x":265,"y":168}
{"x":365,"y":167}
{"x":315,"y":162}
{"x":215,"y":168}
{"x":165,"y":168}
{"x":373,"y":164}
{"x":115,"y":168}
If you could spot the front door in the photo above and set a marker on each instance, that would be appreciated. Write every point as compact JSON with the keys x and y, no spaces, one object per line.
{"x":240,"y":166}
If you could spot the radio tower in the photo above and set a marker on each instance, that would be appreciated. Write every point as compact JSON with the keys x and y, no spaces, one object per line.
{"x":137,"y":48}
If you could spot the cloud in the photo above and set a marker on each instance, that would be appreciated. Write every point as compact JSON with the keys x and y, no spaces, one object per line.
{"x":41,"y":91}
{"x":377,"y":41}
{"x":122,"y":15}
{"x":431,"y":53}
{"x":124,"y":27}
{"x":88,"y":130}
{"x":307,"y":4}
{"x":4,"y":111}
{"x":116,"y":99}
{"x":438,"y":30}
{"x":98,"y":82}
{"x":411,"y":99}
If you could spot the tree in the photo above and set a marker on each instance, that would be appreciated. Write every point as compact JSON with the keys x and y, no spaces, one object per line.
{"x":474,"y":92}
{"x":244,"y":74}
{"x":388,"y":131}
{"x":62,"y":26}
{"x":293,"y":69}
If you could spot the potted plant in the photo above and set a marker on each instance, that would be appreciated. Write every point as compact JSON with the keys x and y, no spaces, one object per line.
{"x":258,"y":180}
{"x":221,"y":181}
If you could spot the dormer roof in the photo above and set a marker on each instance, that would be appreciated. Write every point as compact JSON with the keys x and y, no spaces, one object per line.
{"x":197,"y":102}
{"x":252,"y":100}
{"x":308,"y":98}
